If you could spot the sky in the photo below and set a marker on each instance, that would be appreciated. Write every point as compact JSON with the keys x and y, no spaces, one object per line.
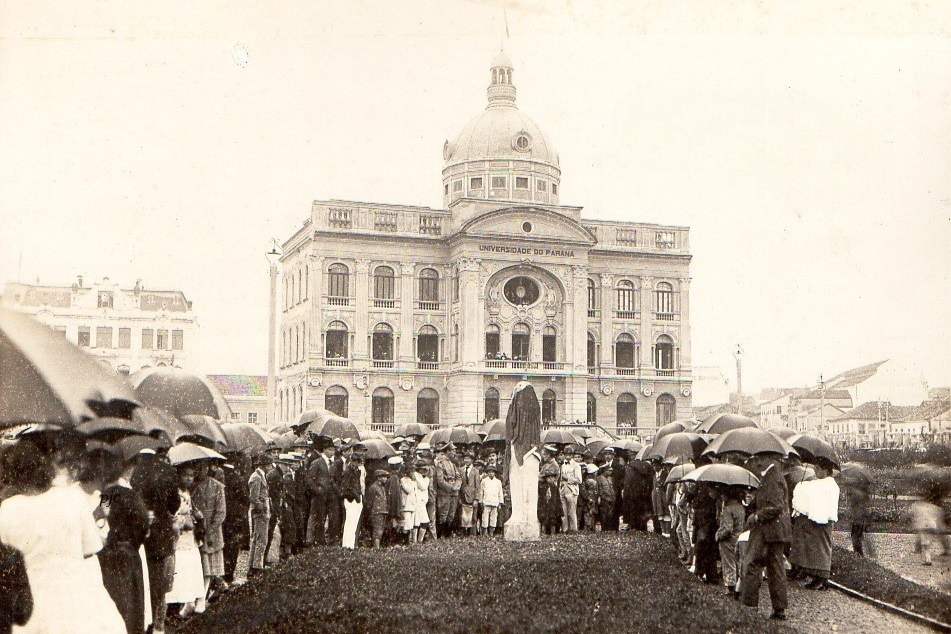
{"x":807,"y":146}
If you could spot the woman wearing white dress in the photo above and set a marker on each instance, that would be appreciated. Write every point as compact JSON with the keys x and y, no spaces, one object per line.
{"x":421,"y":516}
{"x":55,"y":530}
{"x":189,"y":581}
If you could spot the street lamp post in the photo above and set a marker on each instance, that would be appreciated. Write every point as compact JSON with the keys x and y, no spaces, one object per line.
{"x":822,"y":407}
{"x":739,"y":378}
{"x":273,"y":257}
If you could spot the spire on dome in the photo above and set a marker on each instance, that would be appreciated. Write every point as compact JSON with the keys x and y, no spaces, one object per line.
{"x":501,"y":91}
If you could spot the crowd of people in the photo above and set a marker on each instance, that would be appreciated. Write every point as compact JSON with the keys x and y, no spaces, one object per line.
{"x":113,"y":538}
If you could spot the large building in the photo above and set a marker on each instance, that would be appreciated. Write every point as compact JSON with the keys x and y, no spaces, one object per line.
{"x":245,"y":394}
{"x":127,"y":329}
{"x":394,"y":313}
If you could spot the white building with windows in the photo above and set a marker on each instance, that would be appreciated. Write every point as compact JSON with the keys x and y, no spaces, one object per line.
{"x":127,"y":329}
{"x":394,"y":313}
{"x":246,"y":395}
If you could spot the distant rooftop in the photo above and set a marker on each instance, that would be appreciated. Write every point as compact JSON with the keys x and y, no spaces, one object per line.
{"x":240,"y":384}
{"x":878,"y":410}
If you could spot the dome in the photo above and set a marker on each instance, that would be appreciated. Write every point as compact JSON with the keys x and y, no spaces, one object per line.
{"x":501,"y":132}
{"x":502,"y":61}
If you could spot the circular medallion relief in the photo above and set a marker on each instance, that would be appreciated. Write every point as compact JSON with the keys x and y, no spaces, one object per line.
{"x":521,"y":291}
{"x":647,"y":391}
{"x":607,"y":390}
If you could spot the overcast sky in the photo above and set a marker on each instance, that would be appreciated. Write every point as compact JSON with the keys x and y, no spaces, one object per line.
{"x":807,"y":146}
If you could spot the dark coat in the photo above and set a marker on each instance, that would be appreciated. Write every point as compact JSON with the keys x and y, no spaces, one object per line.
{"x":235,"y":527}
{"x":119,"y":559}
{"x":771,"y":516}
{"x":549,"y":503}
{"x":16,"y":599}
{"x":319,"y":480}
{"x":469,"y":491}
{"x":157,"y":483}
{"x":350,"y":489}
{"x":638,"y":486}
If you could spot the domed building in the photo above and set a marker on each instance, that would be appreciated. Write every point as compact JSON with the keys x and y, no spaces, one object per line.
{"x":395,"y":313}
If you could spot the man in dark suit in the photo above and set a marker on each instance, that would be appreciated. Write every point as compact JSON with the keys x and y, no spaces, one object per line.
{"x":320,"y":485}
{"x":469,"y":493}
{"x":612,"y":523}
{"x":275,"y":489}
{"x":770,"y":531}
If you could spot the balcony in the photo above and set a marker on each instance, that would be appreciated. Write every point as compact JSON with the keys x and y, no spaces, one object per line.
{"x":384,"y":303}
{"x":626,"y":371}
{"x":626,"y":314}
{"x":427,"y":365}
{"x":382,"y":363}
{"x":666,"y":316}
{"x":337,"y":301}
{"x":428,"y":305}
{"x":594,"y":313}
{"x":665,"y":372}
{"x":525,"y":366}
{"x":337,"y":363}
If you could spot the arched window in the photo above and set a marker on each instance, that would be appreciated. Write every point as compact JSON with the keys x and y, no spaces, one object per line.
{"x":548,"y":406}
{"x":384,"y":286}
{"x":427,"y":407}
{"x":549,"y":345}
{"x":664,"y":353}
{"x":338,"y":284}
{"x":592,"y":408}
{"x":493,"y":344}
{"x":626,"y":410}
{"x":427,"y":345}
{"x":624,"y":352}
{"x":337,"y":400}
{"x":664,"y":301}
{"x":626,"y":299}
{"x":592,"y":298}
{"x":666,"y":409}
{"x":491,"y":404}
{"x":521,"y":338}
{"x":382,"y":406}
{"x":382,"y":343}
{"x":429,"y":289}
{"x":337,"y":344}
{"x":592,"y":352}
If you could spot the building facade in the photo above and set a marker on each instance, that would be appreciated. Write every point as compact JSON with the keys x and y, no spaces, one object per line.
{"x":127,"y":329}
{"x":246,"y":395}
{"x":397,"y":314}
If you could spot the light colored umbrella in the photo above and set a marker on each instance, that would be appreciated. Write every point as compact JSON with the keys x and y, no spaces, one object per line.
{"x":412,"y":429}
{"x":678,"y":472}
{"x":723,"y":473}
{"x":749,"y":440}
{"x":642,"y":454}
{"x":367,"y":434}
{"x":245,"y":437}
{"x":190,"y":452}
{"x":46,"y":379}
{"x":278,"y":428}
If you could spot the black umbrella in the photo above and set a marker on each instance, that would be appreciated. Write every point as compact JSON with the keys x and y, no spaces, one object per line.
{"x":158,"y":422}
{"x":675,"y":427}
{"x":180,"y":393}
{"x":46,"y":379}
{"x":749,"y":440}
{"x":412,"y":429}
{"x":111,"y":429}
{"x":248,"y":438}
{"x":812,"y":448}
{"x":325,"y":423}
{"x":207,"y":429}
{"x":726,"y":422}
{"x":683,"y":445}
{"x":723,"y":473}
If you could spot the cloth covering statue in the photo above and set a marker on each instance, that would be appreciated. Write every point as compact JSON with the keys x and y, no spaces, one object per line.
{"x":523,"y":436}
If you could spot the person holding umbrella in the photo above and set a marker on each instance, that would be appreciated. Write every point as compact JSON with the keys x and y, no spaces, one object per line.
{"x":770,"y":532}
{"x":260,"y":512}
{"x":815,"y":506}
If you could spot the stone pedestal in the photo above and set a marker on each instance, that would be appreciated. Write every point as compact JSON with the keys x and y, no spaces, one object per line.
{"x":523,"y":483}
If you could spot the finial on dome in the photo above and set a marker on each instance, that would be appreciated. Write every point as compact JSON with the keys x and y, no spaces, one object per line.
{"x":501,"y":91}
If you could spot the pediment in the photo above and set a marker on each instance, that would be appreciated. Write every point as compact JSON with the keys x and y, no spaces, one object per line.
{"x":532,"y":223}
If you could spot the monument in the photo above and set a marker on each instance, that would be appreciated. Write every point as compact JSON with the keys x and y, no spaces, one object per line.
{"x":522,"y":438}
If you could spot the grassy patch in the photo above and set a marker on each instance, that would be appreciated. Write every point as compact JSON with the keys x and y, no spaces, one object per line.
{"x":871,"y":579}
{"x":592,"y":583}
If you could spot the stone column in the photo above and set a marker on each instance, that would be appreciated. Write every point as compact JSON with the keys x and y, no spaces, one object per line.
{"x":647,"y":319}
{"x":607,"y":324}
{"x":576,"y":385}
{"x":407,"y":297}
{"x":684,"y":342}
{"x":316,"y":318}
{"x":361,"y":319}
{"x":466,"y":383}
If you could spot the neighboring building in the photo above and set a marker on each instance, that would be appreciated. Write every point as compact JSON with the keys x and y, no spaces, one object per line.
{"x":886,"y":380}
{"x":814,"y":419}
{"x":866,"y":426}
{"x":710,"y":386}
{"x":246,"y":395}
{"x":797,"y":407}
{"x":127,"y":329}
{"x":394,"y":313}
{"x":929,"y":423}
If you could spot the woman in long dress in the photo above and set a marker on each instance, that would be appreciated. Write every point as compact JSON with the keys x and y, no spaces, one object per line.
{"x":188,"y":585}
{"x":55,"y":530}
{"x":815,"y":510}
{"x":421,"y":517}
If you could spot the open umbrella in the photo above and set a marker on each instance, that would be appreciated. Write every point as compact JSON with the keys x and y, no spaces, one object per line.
{"x":158,"y":422}
{"x":682,"y":445}
{"x":678,"y":472}
{"x":367,"y":434}
{"x":630,"y":446}
{"x":130,"y":446}
{"x":190,"y":452}
{"x":723,"y":473}
{"x":559,"y":437}
{"x":278,"y":428}
{"x":111,"y":429}
{"x":726,"y":422}
{"x":493,"y":432}
{"x":457,"y":435}
{"x":783,"y":432}
{"x":856,"y":475}
{"x":812,"y":448}
{"x":376,"y":449}
{"x":412,"y":429}
{"x":206,"y":431}
{"x":327,"y":424}
{"x":46,"y":379}
{"x":597,"y":445}
{"x":483,"y":429}
{"x":642,"y":454}
{"x":749,"y":440}
{"x":180,"y":393}
{"x":799,"y":473}
{"x":246,"y":438}
{"x":284,"y":441}
{"x":675,"y":427}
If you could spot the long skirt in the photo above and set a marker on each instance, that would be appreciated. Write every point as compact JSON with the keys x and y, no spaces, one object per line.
{"x":188,"y":584}
{"x":811,"y":547}
{"x":122,"y":578}
{"x":213,"y":564}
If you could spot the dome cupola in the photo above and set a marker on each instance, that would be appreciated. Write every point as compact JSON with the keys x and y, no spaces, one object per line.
{"x":501,"y":154}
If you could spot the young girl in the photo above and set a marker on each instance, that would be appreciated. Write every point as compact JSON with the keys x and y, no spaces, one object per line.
{"x":421,"y":519}
{"x":188,"y":586}
{"x":408,"y":501}
{"x":377,"y":505}
{"x":591,"y":498}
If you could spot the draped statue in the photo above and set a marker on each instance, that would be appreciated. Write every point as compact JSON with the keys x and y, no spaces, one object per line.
{"x":522,"y":438}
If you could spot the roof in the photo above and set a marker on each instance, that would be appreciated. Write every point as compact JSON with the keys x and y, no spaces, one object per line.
{"x":815,"y":409}
{"x":830,"y":395}
{"x":854,"y":376}
{"x":240,"y":384}
{"x":928,"y":410}
{"x":875,"y":409}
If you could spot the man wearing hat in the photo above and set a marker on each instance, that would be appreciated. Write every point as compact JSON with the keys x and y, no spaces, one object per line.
{"x":260,"y":511}
{"x":448,"y":482}
{"x":468,"y":493}
{"x":612,"y":521}
{"x":323,"y":500}
{"x":570,"y":489}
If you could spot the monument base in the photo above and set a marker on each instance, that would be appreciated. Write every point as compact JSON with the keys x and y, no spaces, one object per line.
{"x":522,"y":532}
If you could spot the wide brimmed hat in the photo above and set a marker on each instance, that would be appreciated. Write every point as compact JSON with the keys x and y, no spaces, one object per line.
{"x":395,"y":460}
{"x":551,"y":448}
{"x":381,"y":473}
{"x":591,"y":468}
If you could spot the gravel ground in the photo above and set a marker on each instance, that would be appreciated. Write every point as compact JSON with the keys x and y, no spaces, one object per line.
{"x":895,"y":551}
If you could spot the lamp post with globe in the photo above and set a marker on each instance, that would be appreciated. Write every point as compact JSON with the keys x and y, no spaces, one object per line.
{"x":273,"y":257}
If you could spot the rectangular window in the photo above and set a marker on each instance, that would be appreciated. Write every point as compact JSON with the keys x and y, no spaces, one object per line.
{"x":60,"y":330}
{"x":521,"y":182}
{"x":105,"y":299}
{"x":161,"y":340}
{"x":125,"y":338}
{"x":446,"y":189}
{"x":475,"y":183}
{"x":235,"y":415}
{"x":253,"y":418}
{"x":554,"y":189}
{"x":541,"y":186}
{"x":549,"y":348}
{"x":457,"y":186}
{"x":148,"y":338}
{"x":492,"y":345}
{"x":178,"y":339}
{"x":498,"y":182}
{"x":83,"y":340}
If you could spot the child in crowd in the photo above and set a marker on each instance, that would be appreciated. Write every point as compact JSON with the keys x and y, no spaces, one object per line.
{"x":590,"y":498}
{"x":732,"y":523}
{"x":491,"y":496}
{"x":606,"y":493}
{"x":378,"y":505}
{"x":549,"y":504}
{"x":408,"y":499}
